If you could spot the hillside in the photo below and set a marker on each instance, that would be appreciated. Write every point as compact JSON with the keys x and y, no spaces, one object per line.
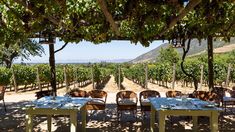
{"x":195,"y":49}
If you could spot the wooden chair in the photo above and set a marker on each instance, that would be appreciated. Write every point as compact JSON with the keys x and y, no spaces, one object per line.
{"x":126,"y":101}
{"x":98,"y":101}
{"x":173,"y":94}
{"x":77,"y":93}
{"x":228,"y":99}
{"x":2,"y":92}
{"x":144,"y":102}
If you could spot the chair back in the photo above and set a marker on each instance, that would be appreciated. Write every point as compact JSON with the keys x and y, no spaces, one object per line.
{"x":149,"y":93}
{"x":98,"y":94}
{"x":126,"y":95}
{"x":231,"y":93}
{"x":2,"y":92}
{"x":202,"y":95}
{"x":207,"y":96}
{"x":41,"y":94}
{"x":213,"y":97}
{"x":173,"y":94}
{"x":78,"y":93}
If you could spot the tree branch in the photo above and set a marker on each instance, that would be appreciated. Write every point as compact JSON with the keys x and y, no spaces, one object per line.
{"x":61,"y":47}
{"x":185,"y":51}
{"x":182,"y":13}
{"x":108,"y":16}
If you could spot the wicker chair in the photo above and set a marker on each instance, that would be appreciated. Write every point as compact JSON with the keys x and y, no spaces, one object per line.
{"x":2,"y":92}
{"x":202,"y":95}
{"x":173,"y":94}
{"x":78,"y":93}
{"x":207,"y":96}
{"x":98,"y":101}
{"x":126,"y":101}
{"x":144,"y":102}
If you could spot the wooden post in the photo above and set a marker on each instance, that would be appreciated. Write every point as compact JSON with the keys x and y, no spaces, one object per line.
{"x":66,"y":79}
{"x":38,"y":80}
{"x":173,"y":76}
{"x":92,"y":77}
{"x":201,"y":78}
{"x":210,"y":63}
{"x":228,"y":75}
{"x":146,"y":75}
{"x":119,"y":77}
{"x":14,"y":80}
{"x":76,"y":76}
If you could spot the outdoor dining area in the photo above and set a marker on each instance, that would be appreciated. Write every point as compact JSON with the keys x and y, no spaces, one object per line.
{"x":154,"y":108}
{"x":179,"y":22}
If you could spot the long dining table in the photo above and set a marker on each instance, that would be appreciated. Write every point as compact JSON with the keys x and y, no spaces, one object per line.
{"x":183,"y":107}
{"x":59,"y":105}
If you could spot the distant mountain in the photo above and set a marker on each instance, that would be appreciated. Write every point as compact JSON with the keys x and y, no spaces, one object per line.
{"x":195,"y":48}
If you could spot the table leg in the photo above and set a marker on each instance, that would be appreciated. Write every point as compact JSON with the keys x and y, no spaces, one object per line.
{"x":49,"y":122}
{"x":195,"y":123}
{"x":152,"y":119}
{"x":161,"y":121}
{"x":29,"y":122}
{"x":73,"y":119}
{"x":83,"y":110}
{"x":214,"y":121}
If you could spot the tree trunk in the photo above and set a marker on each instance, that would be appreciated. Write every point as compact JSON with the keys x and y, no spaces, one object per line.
{"x":52,"y":66}
{"x":210,"y":62}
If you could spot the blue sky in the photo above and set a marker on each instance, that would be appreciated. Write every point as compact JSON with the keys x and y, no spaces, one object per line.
{"x":87,"y":51}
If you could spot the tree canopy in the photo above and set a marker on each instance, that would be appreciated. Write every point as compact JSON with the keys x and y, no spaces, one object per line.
{"x":22,"y":48}
{"x":101,"y":20}
{"x":169,"y":55}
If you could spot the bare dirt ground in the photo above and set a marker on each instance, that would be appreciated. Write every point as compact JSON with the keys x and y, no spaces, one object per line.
{"x":102,"y":121}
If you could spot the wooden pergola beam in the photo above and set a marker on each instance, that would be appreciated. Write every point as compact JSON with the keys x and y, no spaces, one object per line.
{"x":108,"y":16}
{"x":182,"y":13}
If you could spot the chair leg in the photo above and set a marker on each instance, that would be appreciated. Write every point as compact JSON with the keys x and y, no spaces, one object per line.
{"x":104,"y":118}
{"x":118,"y":115}
{"x":4,"y":105}
{"x":136,"y":115}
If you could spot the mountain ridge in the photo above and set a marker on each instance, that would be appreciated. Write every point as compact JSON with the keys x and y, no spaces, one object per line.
{"x":196,"y":48}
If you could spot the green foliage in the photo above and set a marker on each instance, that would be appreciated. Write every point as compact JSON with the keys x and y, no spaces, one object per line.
{"x":96,"y":74}
{"x":139,"y":21}
{"x":192,"y":66}
{"x":44,"y":72}
{"x":168,"y":55}
{"x":116,"y":74}
{"x":24,"y":75}
{"x":220,"y":71}
{"x":101,"y":75}
{"x":136,"y":73}
{"x":5,"y":76}
{"x":83,"y":74}
{"x":60,"y":74}
{"x":23,"y":48}
{"x":164,"y":72}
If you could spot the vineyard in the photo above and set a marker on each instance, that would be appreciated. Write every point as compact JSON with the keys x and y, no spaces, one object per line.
{"x":22,"y":77}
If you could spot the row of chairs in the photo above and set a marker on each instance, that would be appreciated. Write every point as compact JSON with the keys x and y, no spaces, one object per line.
{"x":127,"y":100}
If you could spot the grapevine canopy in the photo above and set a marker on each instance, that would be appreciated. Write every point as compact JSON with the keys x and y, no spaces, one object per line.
{"x":105,"y":20}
